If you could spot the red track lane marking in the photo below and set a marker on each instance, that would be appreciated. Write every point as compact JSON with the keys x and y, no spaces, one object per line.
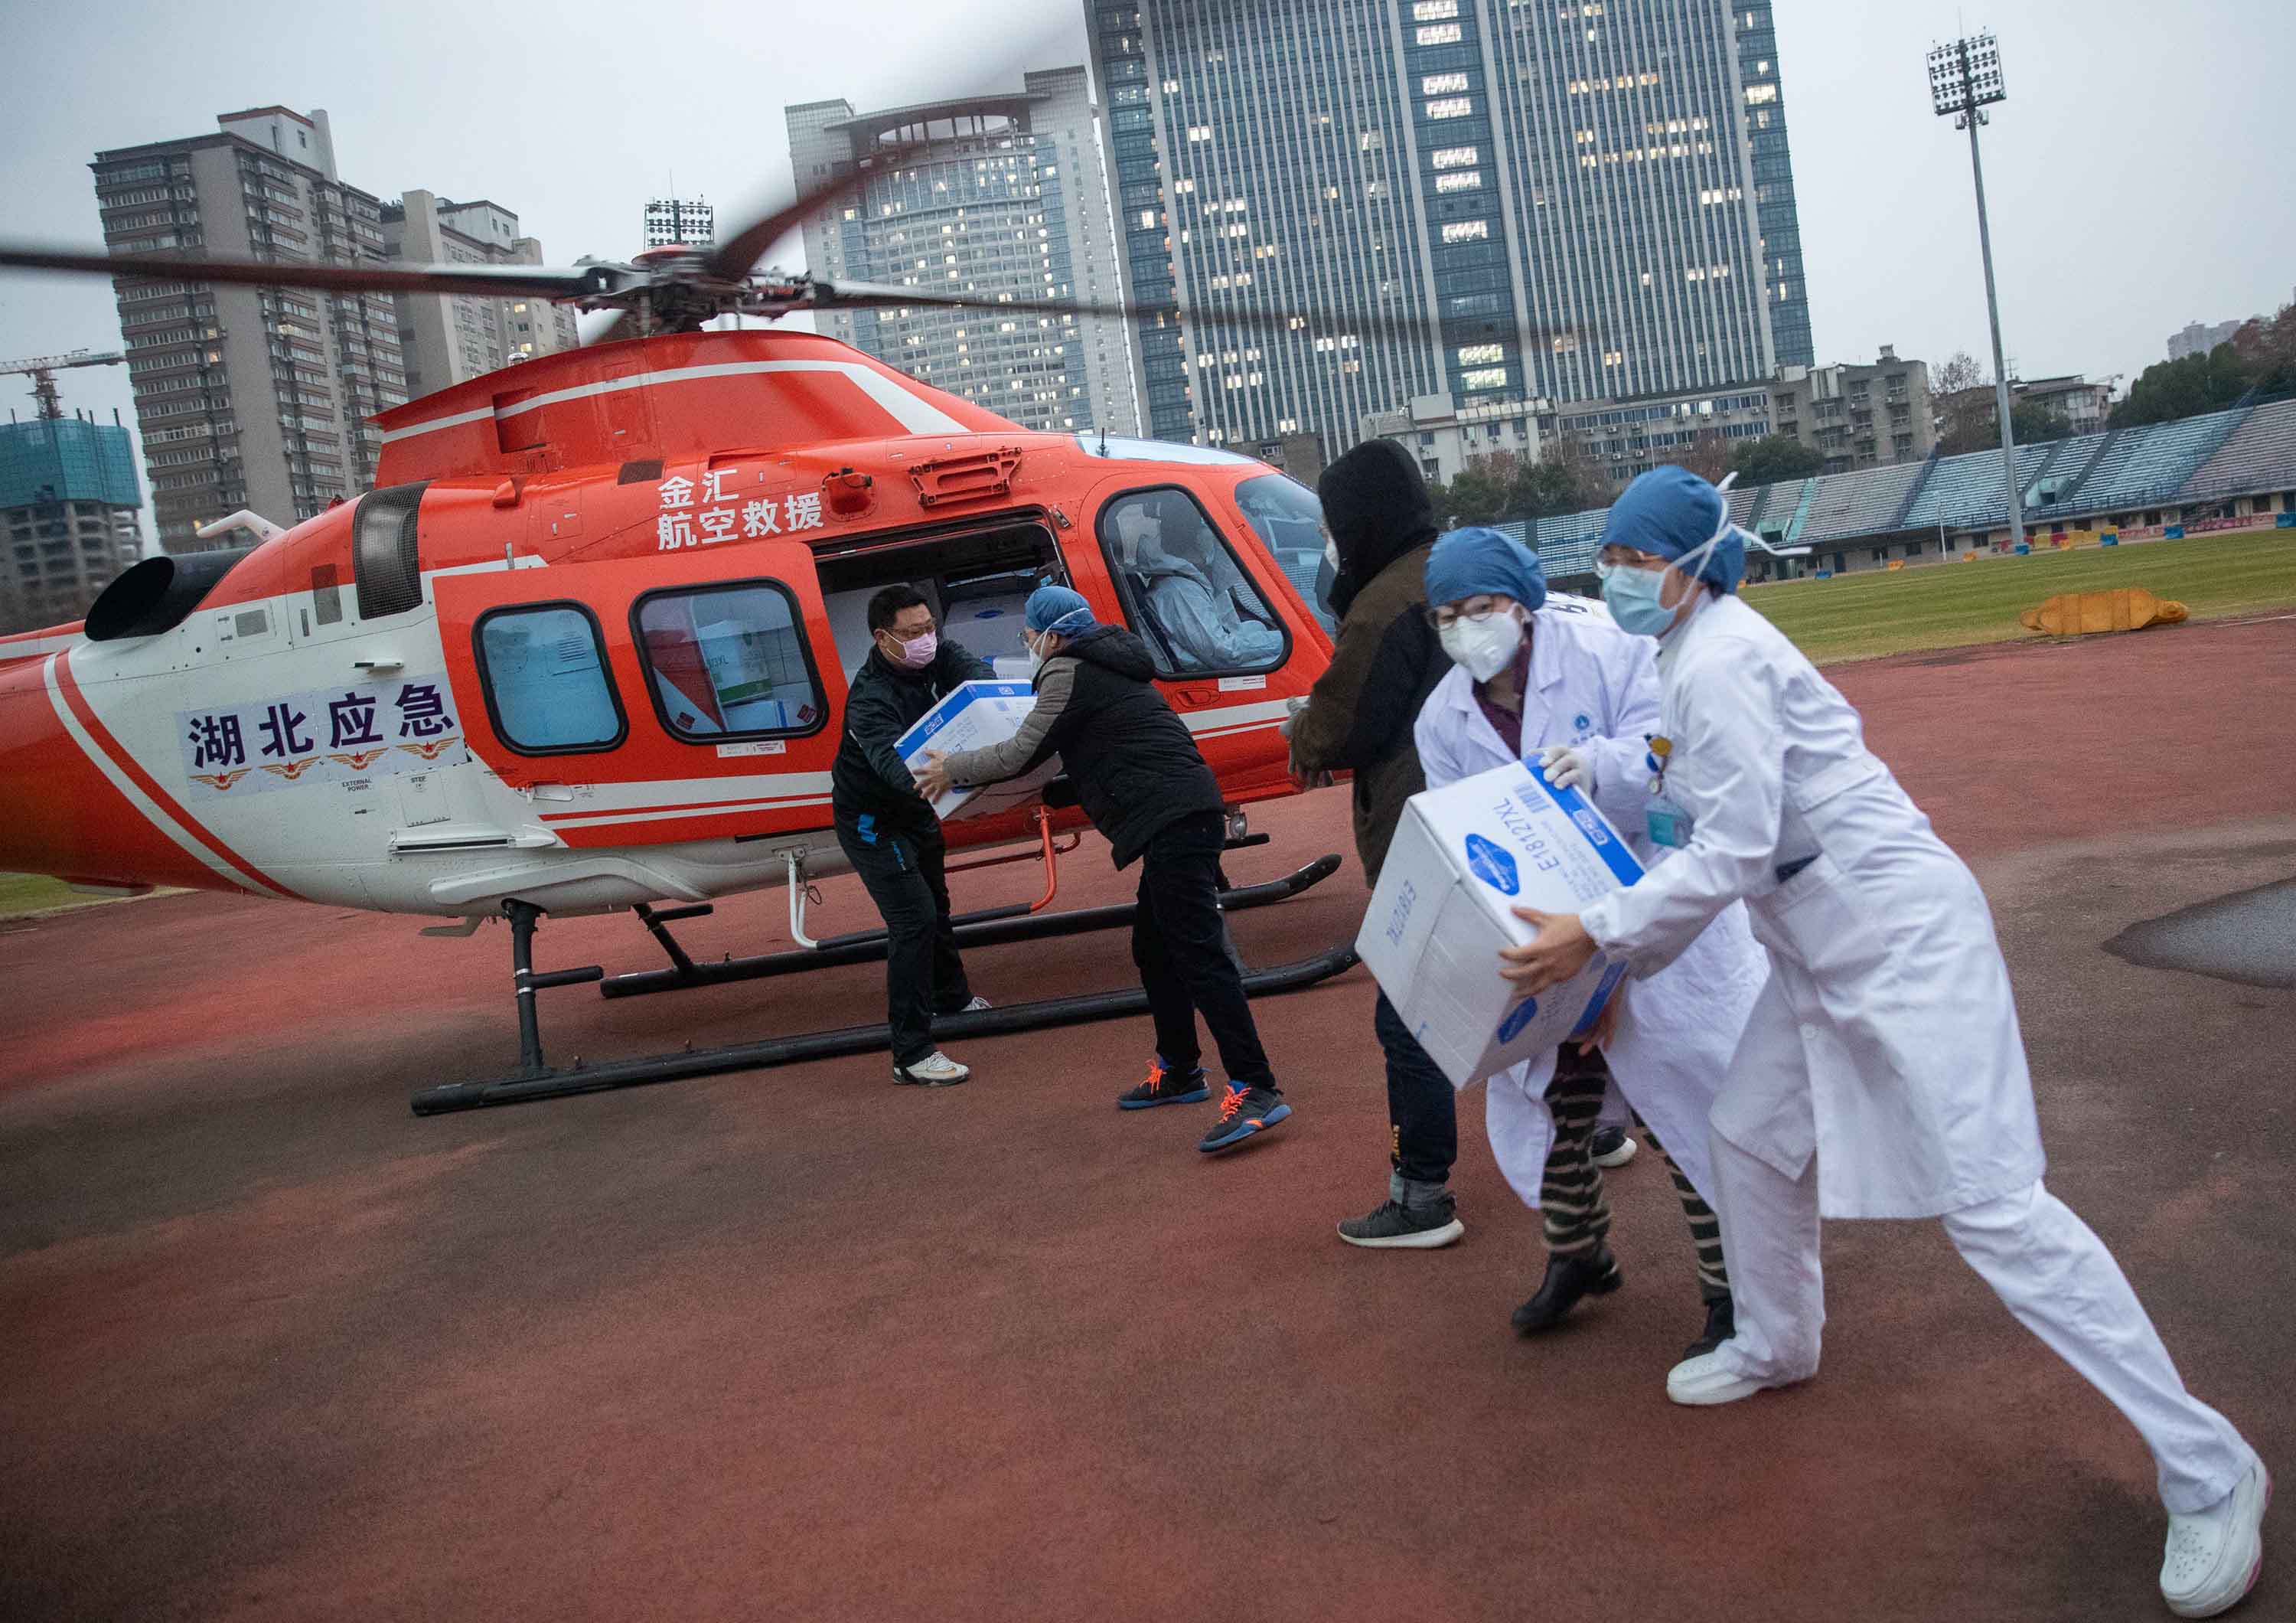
{"x":144,"y":780}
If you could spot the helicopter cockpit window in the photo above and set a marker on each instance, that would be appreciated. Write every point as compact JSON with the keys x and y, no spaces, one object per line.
{"x":1289,"y":522}
{"x":728,"y":661}
{"x":1182,"y":590}
{"x":384,"y":564}
{"x":542,"y":667}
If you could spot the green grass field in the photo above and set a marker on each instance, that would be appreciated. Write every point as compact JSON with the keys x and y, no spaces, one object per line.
{"x":31,"y":894}
{"x":1952,"y":605}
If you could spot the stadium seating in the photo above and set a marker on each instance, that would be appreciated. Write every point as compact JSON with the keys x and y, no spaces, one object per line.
{"x":2259,"y":455}
{"x":2152,"y":463}
{"x":2241,"y":451}
{"x":1862,"y":503}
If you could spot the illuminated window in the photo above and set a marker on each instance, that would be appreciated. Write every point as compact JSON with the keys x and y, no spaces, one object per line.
{"x":1200,"y":132}
{"x":1451,"y":107}
{"x":1459,"y":180}
{"x":1454,"y":157}
{"x":1441,"y":34}
{"x":1442,"y":84}
{"x":1466,"y":231}
{"x":1756,"y":94}
{"x":1434,"y":11}
{"x":1489,"y":377}
{"x":1481,"y":354}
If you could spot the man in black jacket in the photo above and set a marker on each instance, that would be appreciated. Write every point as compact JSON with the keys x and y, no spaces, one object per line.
{"x":889,"y":833}
{"x":1141,"y":780}
{"x":1358,"y":719}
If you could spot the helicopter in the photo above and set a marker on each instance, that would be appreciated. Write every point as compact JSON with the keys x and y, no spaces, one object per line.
{"x":583,"y":647}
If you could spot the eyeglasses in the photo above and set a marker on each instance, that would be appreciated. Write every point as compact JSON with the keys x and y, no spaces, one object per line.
{"x":1615,"y":557}
{"x":1477,"y":611}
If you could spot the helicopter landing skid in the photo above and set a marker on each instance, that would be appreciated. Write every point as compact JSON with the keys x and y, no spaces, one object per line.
{"x":536,"y":1081}
{"x":988,"y":927}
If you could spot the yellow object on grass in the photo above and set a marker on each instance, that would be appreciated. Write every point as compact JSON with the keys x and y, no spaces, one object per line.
{"x":2124,"y":608}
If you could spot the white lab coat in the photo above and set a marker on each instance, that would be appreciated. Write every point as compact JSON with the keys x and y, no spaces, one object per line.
{"x":1596,"y":686}
{"x":1886,"y":1041}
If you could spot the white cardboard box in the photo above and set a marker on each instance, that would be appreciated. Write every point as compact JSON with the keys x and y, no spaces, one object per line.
{"x":1464,"y":857}
{"x":975,"y":715}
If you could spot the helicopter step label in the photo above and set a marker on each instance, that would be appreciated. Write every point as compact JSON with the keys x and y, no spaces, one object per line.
{"x":338,"y":735}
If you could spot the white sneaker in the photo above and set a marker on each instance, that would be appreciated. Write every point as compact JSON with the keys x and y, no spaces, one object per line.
{"x":2214,"y":1556}
{"x":1618,"y":1154}
{"x":1709,"y":1378}
{"x":977,"y":1005}
{"x":935,"y":1070}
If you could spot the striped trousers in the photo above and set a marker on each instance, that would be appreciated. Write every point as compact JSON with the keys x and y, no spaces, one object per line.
{"x":1575,"y":1211}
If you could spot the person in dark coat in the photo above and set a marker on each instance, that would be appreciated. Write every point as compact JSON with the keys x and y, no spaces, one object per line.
{"x":1140,"y":779}
{"x":1358,"y":719}
{"x":890,"y":833}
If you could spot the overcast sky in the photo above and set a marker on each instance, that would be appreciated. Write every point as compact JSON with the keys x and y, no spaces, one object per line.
{"x":2139,"y":175}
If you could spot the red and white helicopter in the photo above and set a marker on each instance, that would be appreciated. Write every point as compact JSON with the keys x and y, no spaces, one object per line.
{"x":585,"y":646}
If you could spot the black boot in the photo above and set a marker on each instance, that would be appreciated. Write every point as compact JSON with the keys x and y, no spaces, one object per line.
{"x":1567,"y":1278}
{"x":1721,"y":1324}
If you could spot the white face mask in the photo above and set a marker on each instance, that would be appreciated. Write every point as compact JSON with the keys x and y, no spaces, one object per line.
{"x":1332,"y":555}
{"x":1485,"y":648}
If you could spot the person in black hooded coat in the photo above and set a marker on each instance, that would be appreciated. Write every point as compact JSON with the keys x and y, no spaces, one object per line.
{"x":1139,"y":777}
{"x":1359,"y":719}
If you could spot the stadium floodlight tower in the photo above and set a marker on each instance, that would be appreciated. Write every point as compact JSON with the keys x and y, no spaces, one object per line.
{"x":1964,"y":80}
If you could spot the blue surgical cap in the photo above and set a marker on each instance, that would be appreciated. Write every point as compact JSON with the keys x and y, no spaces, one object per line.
{"x":1472,"y":561}
{"x":1671,"y":512}
{"x":1058,"y":610}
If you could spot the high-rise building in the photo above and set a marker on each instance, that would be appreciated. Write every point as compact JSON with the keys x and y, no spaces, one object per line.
{"x":2199,"y":337}
{"x":1588,"y":201}
{"x":997,"y":196}
{"x":670,"y":221}
{"x":69,"y":501}
{"x":449,"y":337}
{"x":250,"y":397}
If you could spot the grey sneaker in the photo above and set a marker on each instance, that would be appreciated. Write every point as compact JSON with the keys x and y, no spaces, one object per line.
{"x":1396,"y":1227}
{"x":935,"y":1070}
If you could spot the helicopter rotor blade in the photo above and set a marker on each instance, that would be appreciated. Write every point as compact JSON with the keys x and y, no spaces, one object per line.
{"x":831,"y":295}
{"x":326,"y":275}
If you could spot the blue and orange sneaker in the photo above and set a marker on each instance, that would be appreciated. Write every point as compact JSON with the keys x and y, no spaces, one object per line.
{"x":1165,"y":1086}
{"x":1245,"y":1111}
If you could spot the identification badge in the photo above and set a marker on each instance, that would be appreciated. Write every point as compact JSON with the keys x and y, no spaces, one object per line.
{"x":1667,"y":823}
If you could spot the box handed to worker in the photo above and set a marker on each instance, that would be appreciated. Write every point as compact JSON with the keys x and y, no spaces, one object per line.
{"x":1466,"y":856}
{"x":975,"y":715}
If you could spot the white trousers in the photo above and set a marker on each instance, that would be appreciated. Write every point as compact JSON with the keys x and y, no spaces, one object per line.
{"x":2045,"y":1264}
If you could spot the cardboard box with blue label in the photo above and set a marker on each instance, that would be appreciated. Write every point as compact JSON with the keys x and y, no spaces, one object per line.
{"x":1464,"y":857}
{"x":975,"y":715}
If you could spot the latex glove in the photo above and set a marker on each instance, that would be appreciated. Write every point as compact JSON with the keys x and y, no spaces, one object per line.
{"x":932,"y":778}
{"x":1566,"y":768}
{"x":1561,"y":949}
{"x":1293,"y":708}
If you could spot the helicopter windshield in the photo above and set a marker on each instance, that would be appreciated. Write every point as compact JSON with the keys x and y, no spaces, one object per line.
{"x":1289,"y":522}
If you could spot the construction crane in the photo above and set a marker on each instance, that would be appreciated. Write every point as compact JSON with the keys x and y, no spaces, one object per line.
{"x":43,"y":369}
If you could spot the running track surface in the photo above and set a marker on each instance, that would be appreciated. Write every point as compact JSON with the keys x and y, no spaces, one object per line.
{"x":798,"y":1343}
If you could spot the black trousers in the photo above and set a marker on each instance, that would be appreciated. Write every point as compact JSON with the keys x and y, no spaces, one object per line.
{"x":924,"y":974}
{"x":1423,"y":1111}
{"x":1181,"y":947}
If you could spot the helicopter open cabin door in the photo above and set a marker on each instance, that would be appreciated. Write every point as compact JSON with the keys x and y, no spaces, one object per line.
{"x":643,"y":702}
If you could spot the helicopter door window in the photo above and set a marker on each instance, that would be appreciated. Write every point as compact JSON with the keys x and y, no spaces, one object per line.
{"x":1183,"y":590}
{"x":542,"y":667}
{"x":385,"y":565}
{"x":1289,"y":521}
{"x":728,"y":661}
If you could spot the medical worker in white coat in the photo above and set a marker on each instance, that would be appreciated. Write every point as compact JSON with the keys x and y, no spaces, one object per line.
{"x":1583,"y":694}
{"x":1881,"y":1073}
